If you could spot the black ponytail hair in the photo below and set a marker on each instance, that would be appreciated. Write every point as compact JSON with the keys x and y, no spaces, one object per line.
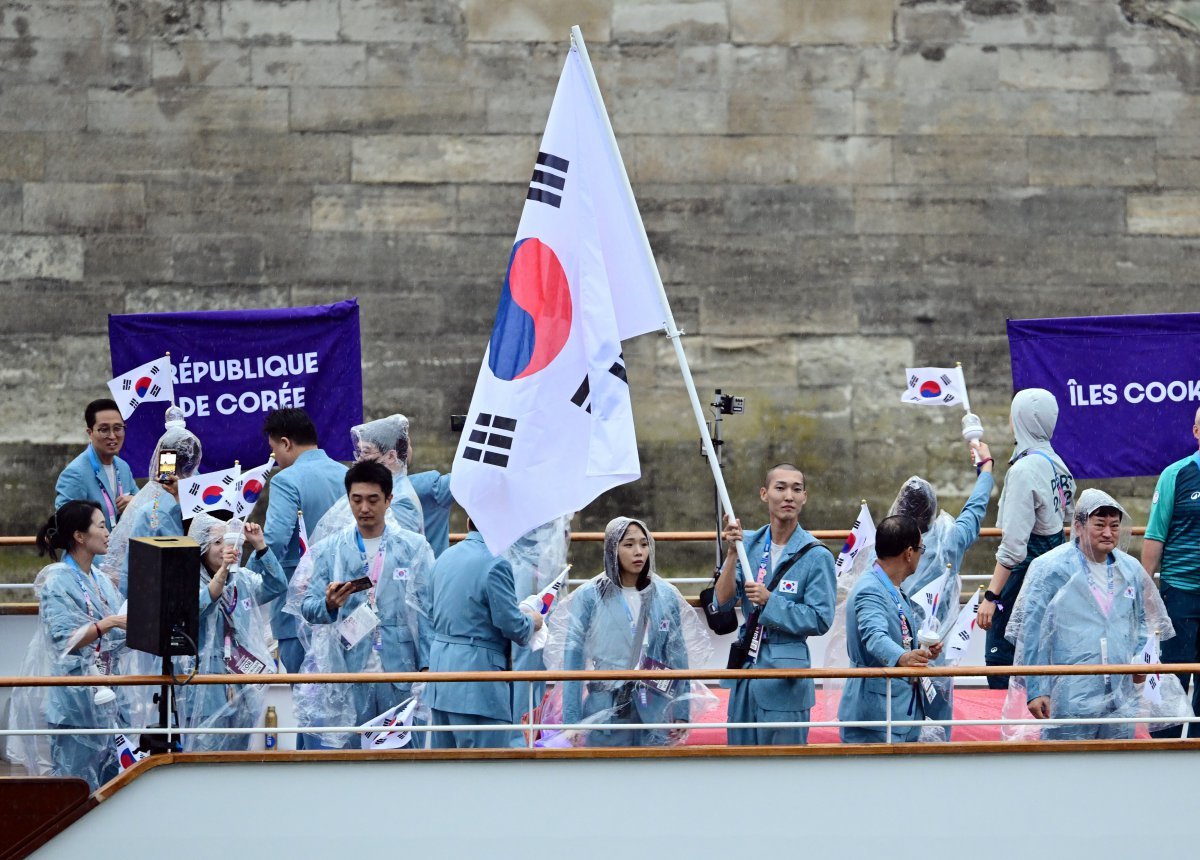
{"x":59,"y":531}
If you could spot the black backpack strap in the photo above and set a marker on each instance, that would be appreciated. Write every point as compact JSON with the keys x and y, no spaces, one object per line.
{"x":752,"y":622}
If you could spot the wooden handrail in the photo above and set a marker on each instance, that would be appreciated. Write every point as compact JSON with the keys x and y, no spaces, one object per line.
{"x":402,"y":756}
{"x":597,"y":675}
{"x":593,"y":537}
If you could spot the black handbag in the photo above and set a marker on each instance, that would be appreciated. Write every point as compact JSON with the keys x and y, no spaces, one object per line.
{"x":740,"y":650}
{"x":720,"y":621}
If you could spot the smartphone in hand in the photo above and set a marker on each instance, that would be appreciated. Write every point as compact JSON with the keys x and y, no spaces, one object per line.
{"x":166,"y":466}
{"x":360,"y":584}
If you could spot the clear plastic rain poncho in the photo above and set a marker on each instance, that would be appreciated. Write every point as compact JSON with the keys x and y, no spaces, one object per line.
{"x":537,"y":558}
{"x":1075,"y":611}
{"x":233,"y":640}
{"x":70,"y":602}
{"x":154,"y":512}
{"x":836,"y":654}
{"x":336,"y":520}
{"x":375,"y":440}
{"x":934,"y":590}
{"x":392,"y":638}
{"x":595,"y":628}
{"x":380,"y":440}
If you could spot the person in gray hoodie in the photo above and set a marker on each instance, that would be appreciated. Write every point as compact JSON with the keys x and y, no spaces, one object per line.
{"x":1037,"y":499}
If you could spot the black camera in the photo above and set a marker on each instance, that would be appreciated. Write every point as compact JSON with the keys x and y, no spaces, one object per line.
{"x":729,"y":404}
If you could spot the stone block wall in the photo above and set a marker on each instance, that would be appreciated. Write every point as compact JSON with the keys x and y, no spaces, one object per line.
{"x":833,"y":188}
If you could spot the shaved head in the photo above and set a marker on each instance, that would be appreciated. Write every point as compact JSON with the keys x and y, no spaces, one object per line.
{"x":787,"y":467}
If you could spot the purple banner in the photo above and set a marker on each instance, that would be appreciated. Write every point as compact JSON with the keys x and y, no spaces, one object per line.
{"x":1127,"y":386}
{"x":233,"y":367}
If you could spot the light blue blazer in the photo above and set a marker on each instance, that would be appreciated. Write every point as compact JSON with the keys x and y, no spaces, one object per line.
{"x":406,"y":506}
{"x":83,"y":480}
{"x":433,"y":489}
{"x":801,"y":605}
{"x":874,"y":638}
{"x":311,"y":484}
{"x":475,"y":616}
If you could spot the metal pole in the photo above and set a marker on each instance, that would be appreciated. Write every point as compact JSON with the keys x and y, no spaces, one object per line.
{"x":889,"y":709}
{"x":530,"y":712}
{"x":716,"y":435}
{"x":673,"y":333}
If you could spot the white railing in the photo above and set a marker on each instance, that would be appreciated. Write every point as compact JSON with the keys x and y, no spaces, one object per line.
{"x":530,"y":730}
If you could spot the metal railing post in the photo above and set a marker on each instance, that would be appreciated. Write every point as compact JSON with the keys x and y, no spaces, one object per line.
{"x":888,"y":681}
{"x":532,"y":721}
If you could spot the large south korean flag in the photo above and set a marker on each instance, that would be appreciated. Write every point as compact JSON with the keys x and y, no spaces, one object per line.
{"x":550,"y":425}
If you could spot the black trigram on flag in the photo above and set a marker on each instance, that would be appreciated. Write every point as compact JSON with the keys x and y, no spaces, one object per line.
{"x":227,"y":480}
{"x":194,"y":490}
{"x":133,"y":403}
{"x":549,"y":179}
{"x":126,"y":384}
{"x":491,"y":439}
{"x":154,"y":392}
{"x":154,"y":370}
{"x":583,"y":394}
{"x":198,"y":509}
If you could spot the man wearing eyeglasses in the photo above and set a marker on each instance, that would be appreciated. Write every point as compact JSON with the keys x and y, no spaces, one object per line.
{"x":98,"y":474}
{"x":881,"y":631}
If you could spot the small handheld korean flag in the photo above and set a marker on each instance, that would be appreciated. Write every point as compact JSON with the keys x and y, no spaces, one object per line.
{"x":250,"y":487}
{"x":543,"y":603}
{"x":935,"y":386}
{"x":216,"y":491}
{"x":302,"y":531}
{"x":959,"y":637}
{"x":151,"y":381}
{"x":550,"y":426}
{"x":387,"y":738}
{"x":930,"y":597}
{"x":1151,"y":656}
{"x":127,"y":754}
{"x":860,"y":537}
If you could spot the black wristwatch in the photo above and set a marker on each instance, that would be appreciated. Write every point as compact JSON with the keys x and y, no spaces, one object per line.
{"x":992,"y":596}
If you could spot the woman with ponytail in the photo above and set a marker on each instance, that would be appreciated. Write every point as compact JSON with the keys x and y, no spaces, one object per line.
{"x":81,"y":633}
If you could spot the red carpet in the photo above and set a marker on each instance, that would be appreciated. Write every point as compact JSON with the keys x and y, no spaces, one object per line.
{"x":969,"y":704}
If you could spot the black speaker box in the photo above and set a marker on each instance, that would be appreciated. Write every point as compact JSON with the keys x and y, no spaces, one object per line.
{"x":164,"y":595}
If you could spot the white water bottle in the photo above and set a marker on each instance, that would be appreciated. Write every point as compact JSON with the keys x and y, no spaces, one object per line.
{"x":234,"y":535}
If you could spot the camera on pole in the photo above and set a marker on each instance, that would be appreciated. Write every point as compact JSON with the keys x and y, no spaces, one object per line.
{"x":722,"y":404}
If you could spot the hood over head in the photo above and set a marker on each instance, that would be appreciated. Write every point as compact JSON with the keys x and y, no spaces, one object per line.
{"x":613,"y":534}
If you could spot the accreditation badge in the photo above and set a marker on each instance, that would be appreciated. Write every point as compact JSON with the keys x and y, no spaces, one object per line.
{"x":357,"y":625}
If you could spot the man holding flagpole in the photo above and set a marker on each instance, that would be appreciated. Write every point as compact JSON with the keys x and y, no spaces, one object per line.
{"x":790,"y":597}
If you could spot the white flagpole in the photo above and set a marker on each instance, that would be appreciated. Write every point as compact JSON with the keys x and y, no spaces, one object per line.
{"x":963,"y":379}
{"x":673,"y":332}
